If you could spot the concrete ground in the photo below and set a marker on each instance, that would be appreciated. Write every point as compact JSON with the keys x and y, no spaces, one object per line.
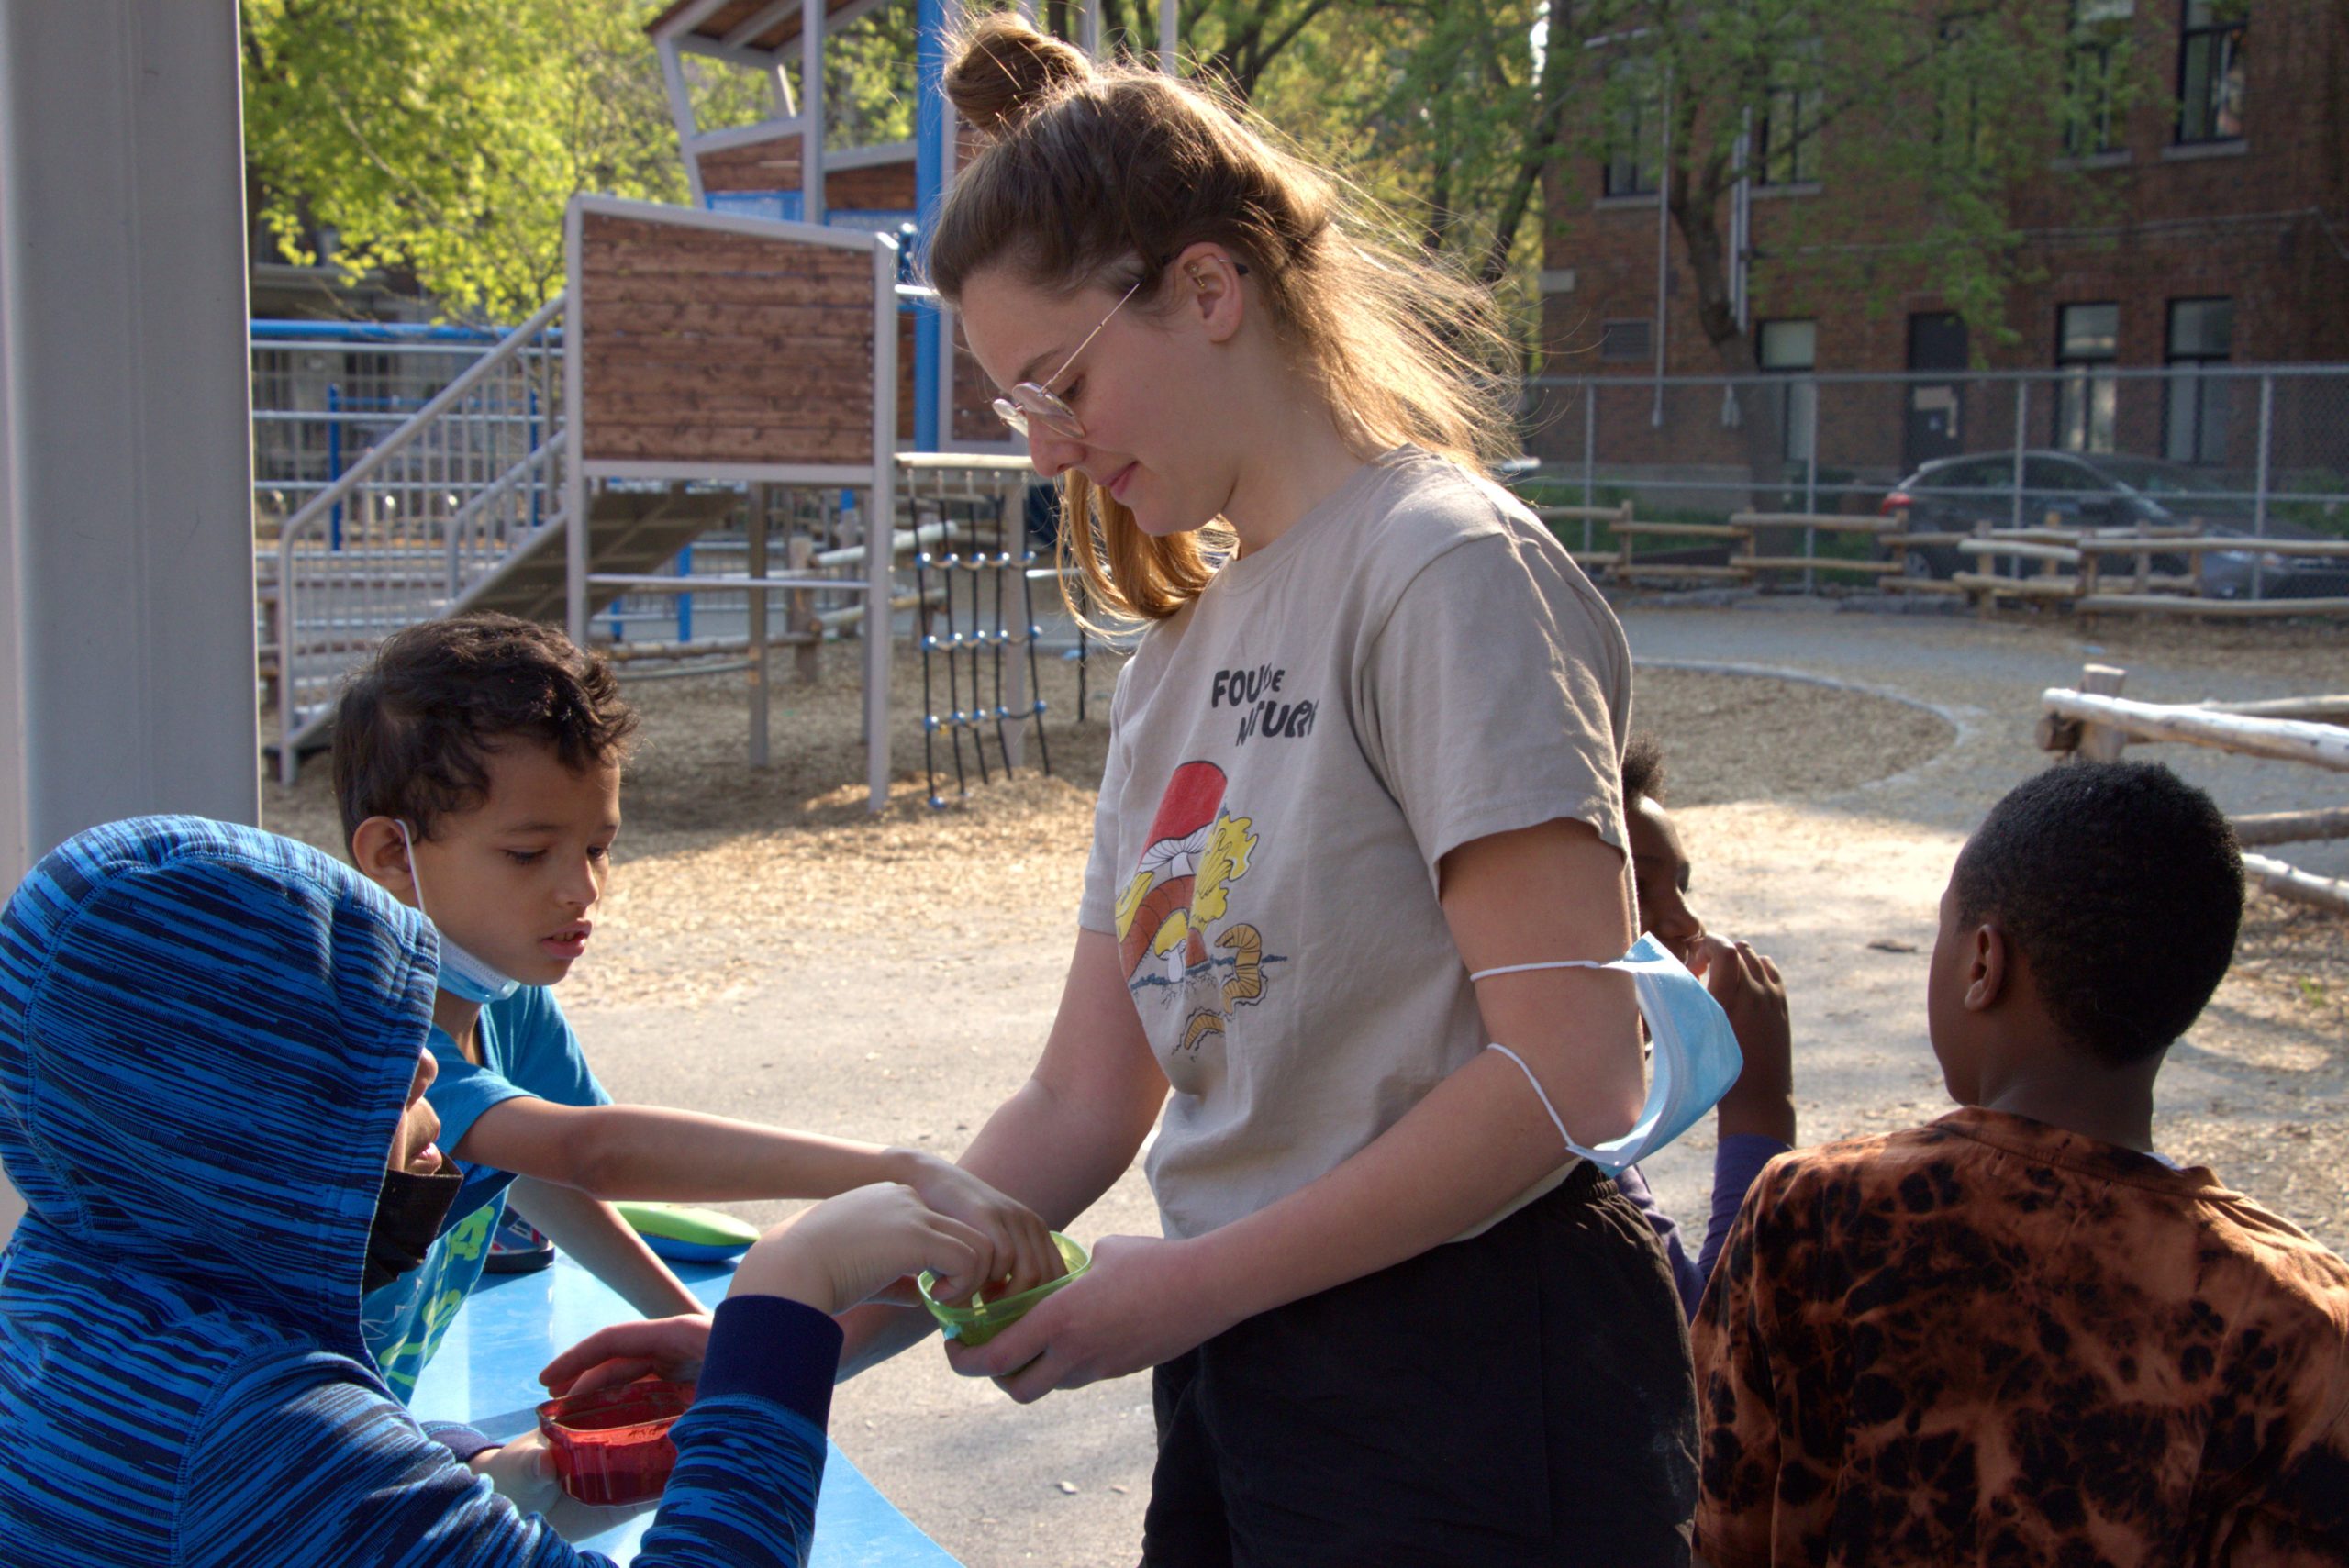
{"x":831,"y":1011}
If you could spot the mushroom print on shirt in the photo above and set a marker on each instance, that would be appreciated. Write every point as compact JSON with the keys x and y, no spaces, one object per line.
{"x":1196,"y":851}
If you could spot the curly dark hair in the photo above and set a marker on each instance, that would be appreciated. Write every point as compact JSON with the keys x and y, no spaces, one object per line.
{"x":1642,"y":769}
{"x":416,"y":723}
{"x":2121,"y":886}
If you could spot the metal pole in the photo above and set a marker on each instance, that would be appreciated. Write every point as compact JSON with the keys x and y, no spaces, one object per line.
{"x":757,"y":514}
{"x":2022,"y":402}
{"x":1810,"y":491}
{"x":126,"y":611}
{"x":574,"y":425}
{"x":811,"y":118}
{"x":2259,"y":494}
{"x":880,"y":522}
{"x":1589,"y":450}
{"x":933,"y":158}
{"x":334,"y":461}
{"x":1012,"y":625}
{"x":1741,"y":223}
{"x":1169,"y":45}
{"x":1662,"y":247}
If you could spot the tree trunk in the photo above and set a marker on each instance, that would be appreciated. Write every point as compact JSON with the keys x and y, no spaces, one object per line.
{"x":1549,"y":121}
{"x":1697,"y":195}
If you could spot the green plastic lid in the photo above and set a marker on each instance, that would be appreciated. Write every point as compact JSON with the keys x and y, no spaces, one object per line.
{"x":980,"y":1321}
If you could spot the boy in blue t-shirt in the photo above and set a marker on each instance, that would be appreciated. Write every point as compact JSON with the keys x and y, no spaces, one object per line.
{"x":477,"y":766}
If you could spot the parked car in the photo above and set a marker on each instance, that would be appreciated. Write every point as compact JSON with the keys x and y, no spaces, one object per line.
{"x":2101,"y":491}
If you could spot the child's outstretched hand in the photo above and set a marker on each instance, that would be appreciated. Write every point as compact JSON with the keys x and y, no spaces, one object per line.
{"x":1751,"y":991}
{"x":1024,"y":1255}
{"x":829,"y":1257}
{"x":846,"y":1248}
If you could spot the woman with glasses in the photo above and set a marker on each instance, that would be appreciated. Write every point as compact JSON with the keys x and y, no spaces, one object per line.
{"x":1366,"y":750}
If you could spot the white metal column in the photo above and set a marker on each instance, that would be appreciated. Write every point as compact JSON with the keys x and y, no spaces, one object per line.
{"x":813,"y":15}
{"x":880,"y":525}
{"x":125,"y":456}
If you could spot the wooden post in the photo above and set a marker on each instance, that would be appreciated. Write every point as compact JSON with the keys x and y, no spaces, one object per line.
{"x":2296,"y":741}
{"x":759,"y":510}
{"x":2102,"y":742}
{"x":799,"y":610}
{"x":2292,"y":826}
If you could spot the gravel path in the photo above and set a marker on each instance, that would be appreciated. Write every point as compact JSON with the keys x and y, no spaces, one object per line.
{"x":768,"y":951}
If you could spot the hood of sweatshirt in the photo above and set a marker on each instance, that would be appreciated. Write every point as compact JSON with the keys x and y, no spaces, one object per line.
{"x":207,"y":1033}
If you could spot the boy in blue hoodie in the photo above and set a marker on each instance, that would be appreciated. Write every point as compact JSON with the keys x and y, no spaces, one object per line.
{"x":212,"y":1065}
{"x":477,"y":766}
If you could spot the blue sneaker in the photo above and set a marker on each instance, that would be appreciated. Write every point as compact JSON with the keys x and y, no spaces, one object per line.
{"x":517,"y":1247}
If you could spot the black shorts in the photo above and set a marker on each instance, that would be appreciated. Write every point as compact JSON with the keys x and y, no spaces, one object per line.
{"x":1521,"y":1397}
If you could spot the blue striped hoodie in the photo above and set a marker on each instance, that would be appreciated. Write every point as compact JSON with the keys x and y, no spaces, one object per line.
{"x":207,"y":1035}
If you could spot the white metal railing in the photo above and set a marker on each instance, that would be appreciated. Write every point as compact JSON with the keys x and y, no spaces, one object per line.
{"x":419,"y":519}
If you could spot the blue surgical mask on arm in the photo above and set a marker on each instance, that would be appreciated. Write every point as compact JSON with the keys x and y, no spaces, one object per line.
{"x":1697,"y":1055}
{"x":462,"y":974}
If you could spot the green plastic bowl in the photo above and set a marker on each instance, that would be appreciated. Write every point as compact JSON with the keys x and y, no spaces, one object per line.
{"x":982,"y":1320}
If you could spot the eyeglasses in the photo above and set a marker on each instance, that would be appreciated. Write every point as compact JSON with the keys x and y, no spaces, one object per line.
{"x":1037,"y":401}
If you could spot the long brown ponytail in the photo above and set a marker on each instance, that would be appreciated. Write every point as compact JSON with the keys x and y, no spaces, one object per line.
{"x":1104,"y":174}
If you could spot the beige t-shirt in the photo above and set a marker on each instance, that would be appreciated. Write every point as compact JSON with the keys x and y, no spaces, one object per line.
{"x":1416,"y":664}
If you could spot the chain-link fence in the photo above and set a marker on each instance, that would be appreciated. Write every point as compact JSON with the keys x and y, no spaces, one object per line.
{"x":2225,"y":449}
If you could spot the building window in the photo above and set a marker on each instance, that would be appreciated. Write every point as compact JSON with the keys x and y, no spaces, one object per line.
{"x":1626,"y":342}
{"x":2100,"y":27}
{"x":2087,"y":340}
{"x":2194,"y":418}
{"x":1635,"y":144}
{"x":1790,"y":349}
{"x":2211,"y":71}
{"x":1786,"y":138}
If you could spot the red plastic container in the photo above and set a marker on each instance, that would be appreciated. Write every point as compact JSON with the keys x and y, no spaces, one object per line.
{"x":611,"y":1448}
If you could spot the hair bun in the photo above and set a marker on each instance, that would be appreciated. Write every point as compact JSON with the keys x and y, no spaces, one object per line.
{"x":1005,"y":71}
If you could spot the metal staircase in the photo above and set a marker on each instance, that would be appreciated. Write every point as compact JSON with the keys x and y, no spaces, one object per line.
{"x":459,"y":508}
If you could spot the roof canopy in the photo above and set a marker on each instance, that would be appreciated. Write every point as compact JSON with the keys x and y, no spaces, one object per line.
{"x":753,"y":32}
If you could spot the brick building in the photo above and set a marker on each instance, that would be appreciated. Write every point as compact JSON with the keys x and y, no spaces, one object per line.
{"x":2218,"y":233}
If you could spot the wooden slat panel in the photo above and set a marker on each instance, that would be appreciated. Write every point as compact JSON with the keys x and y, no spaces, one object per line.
{"x":770,"y":165}
{"x":889,"y":187}
{"x":699,"y":316}
{"x":729,"y":443}
{"x":733,"y":287}
{"x":811,"y":408}
{"x":751,"y":361}
{"x":701,"y":345}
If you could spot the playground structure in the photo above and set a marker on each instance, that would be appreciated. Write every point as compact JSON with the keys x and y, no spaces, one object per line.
{"x":2095,"y":722}
{"x":759,"y":354}
{"x":693,"y":354}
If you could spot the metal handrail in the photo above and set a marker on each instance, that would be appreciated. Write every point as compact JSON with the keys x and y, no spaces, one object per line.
{"x":399,"y":441}
{"x":460,"y":519}
{"x":320,"y":507}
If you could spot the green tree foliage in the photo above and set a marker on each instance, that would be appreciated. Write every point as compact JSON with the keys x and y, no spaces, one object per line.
{"x":441,"y":140}
{"x":443,"y":137}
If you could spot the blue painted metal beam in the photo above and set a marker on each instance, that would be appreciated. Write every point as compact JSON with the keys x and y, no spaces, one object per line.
{"x":930,"y":184}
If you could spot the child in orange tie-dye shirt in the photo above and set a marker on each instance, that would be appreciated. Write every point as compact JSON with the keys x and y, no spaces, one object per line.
{"x":2019,"y":1334}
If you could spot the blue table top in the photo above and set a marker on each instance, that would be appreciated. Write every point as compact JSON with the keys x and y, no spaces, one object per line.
{"x":485,"y":1375}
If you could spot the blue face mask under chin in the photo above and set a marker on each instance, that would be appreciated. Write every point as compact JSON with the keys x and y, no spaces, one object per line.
{"x":463,"y":975}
